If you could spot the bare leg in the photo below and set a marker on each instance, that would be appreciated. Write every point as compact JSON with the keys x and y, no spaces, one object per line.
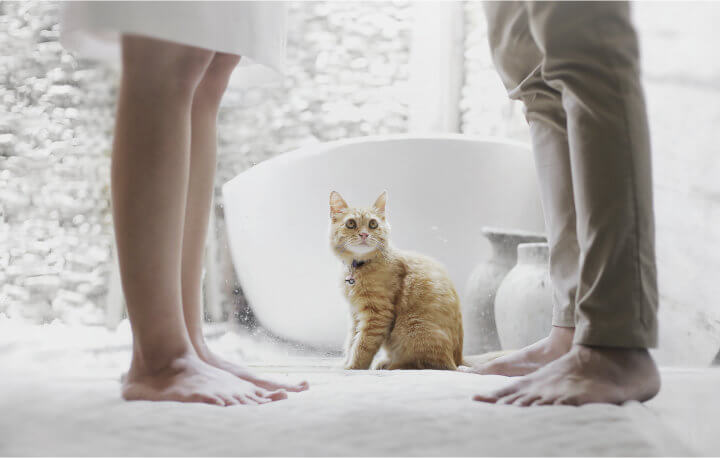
{"x":149,"y":186}
{"x":203,"y":150}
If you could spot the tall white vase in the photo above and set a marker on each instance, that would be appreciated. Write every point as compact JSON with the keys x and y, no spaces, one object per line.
{"x":523,"y":304}
{"x":477,"y":304}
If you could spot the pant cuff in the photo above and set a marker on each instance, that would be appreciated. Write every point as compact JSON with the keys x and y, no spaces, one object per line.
{"x":630,"y":335}
{"x":564,"y":317}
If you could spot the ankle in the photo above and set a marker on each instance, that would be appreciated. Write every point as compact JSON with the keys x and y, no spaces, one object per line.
{"x":627,"y":361}
{"x":560,"y":339}
{"x":194,"y":328}
{"x":619,"y":353}
{"x":159,"y":360}
{"x":201,"y":347}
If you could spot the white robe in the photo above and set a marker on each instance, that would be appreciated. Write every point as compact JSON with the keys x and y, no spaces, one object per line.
{"x":254,"y":30}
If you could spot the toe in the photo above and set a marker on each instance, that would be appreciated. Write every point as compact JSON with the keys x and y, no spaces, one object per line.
{"x":294,"y":387}
{"x":272,"y":385}
{"x":567,"y":401}
{"x":511,"y":398}
{"x":484,"y":398}
{"x":250,"y":401}
{"x":526,"y":400}
{"x":228,"y":400}
{"x":240,"y":399}
{"x":207,"y":399}
{"x":544,"y":400}
{"x":498,"y":394}
{"x":259,"y":399}
{"x":508,"y":390}
{"x":277,"y":395}
{"x":246,"y":400}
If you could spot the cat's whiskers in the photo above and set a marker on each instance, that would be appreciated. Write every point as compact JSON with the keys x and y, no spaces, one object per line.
{"x":382,"y":249}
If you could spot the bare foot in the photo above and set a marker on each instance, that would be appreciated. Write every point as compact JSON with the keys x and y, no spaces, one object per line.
{"x":246,"y":374}
{"x":531,"y":358}
{"x":585,"y":375}
{"x":189,"y":379}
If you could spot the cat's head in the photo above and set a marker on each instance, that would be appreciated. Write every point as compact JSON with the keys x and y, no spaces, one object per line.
{"x":358,"y":233}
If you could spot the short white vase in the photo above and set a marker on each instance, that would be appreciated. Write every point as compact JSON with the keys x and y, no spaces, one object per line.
{"x":523,"y":303}
{"x":479,"y":296}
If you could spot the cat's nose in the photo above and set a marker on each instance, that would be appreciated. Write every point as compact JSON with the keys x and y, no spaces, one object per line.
{"x":364,"y":235}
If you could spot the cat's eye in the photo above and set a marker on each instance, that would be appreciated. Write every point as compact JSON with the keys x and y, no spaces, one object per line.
{"x":351,"y":224}
{"x":373,"y":224}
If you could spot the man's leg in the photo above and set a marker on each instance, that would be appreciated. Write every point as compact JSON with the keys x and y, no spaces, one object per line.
{"x":591,"y":57}
{"x":519,"y":60}
{"x":203,"y":151}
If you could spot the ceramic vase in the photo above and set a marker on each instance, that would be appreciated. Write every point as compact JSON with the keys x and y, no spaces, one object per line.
{"x":523,"y":304}
{"x":479,"y":295}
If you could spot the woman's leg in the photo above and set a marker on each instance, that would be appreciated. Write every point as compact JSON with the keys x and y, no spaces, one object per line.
{"x":150,"y":163}
{"x":203,"y":150}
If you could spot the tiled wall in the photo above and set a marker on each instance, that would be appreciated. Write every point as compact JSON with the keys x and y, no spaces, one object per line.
{"x":56,"y":117}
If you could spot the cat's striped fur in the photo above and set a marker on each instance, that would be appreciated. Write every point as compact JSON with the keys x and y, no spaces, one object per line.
{"x":400,"y":300}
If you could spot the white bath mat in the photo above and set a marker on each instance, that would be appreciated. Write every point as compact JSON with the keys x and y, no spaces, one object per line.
{"x":360,"y":413}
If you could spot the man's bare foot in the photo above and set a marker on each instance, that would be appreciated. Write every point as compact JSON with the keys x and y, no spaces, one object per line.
{"x":246,"y":374}
{"x":585,"y":375}
{"x":531,"y":358}
{"x":189,"y":379}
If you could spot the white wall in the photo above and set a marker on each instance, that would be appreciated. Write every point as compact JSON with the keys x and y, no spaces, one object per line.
{"x":681,"y":64}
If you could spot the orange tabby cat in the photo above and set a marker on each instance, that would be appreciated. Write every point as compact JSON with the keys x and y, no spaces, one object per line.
{"x":400,"y":300}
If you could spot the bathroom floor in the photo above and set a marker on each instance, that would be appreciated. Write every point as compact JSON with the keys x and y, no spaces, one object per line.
{"x":60,"y":396}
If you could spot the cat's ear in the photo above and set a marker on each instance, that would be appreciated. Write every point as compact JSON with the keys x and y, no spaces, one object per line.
{"x":381,"y":203}
{"x":337,"y":204}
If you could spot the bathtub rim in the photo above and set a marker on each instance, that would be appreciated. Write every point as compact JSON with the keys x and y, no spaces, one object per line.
{"x":322,"y":147}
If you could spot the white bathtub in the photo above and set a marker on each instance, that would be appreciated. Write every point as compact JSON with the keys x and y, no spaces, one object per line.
{"x":442,"y":190}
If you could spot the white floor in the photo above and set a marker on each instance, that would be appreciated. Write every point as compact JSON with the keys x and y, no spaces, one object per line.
{"x":59,"y":395}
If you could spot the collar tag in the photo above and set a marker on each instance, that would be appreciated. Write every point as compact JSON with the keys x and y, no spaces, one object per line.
{"x":350,"y":279}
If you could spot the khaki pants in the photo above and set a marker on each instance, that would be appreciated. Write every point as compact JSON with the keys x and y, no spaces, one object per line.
{"x":575,"y":67}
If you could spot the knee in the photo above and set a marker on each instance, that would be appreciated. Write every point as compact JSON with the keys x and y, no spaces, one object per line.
{"x":212,"y":86}
{"x":544,"y":105}
{"x":161,"y":67}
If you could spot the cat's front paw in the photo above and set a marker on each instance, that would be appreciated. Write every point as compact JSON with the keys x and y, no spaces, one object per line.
{"x":342,"y":364}
{"x":355,"y":366}
{"x":382,"y":365}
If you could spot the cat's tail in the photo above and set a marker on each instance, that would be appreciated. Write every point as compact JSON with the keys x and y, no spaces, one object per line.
{"x":483,"y":358}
